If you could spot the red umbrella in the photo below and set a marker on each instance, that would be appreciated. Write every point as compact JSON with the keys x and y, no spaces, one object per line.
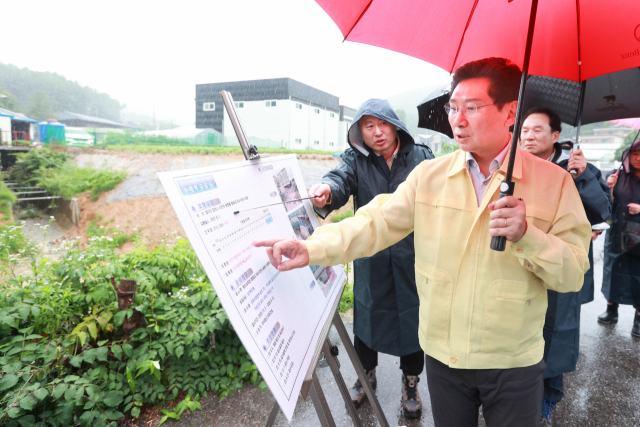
{"x":572,"y":40}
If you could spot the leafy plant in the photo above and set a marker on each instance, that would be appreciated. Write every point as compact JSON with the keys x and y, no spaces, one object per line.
{"x":51,"y":168}
{"x":346,"y":302}
{"x":7,"y":198}
{"x":187,"y":403}
{"x":344,"y":215}
{"x":63,"y":359}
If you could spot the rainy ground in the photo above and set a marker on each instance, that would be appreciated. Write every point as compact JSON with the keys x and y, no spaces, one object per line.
{"x":603,"y":391}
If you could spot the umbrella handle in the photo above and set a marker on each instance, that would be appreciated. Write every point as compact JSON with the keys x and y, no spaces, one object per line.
{"x":499,"y":243}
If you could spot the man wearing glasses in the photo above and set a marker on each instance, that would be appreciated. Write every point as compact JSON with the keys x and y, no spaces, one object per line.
{"x":481,"y":311}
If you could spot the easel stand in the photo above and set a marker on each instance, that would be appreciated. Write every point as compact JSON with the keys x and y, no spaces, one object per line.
{"x":312,"y":387}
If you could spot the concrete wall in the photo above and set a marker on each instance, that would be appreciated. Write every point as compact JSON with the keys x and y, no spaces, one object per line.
{"x":5,"y":130}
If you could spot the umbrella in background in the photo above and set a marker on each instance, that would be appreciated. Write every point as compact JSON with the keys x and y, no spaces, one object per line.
{"x":607,"y":97}
{"x":565,"y":40}
{"x":431,"y":114}
{"x":632,"y":123}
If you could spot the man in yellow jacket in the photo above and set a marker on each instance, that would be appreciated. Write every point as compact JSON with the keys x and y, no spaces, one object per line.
{"x":481,"y":311}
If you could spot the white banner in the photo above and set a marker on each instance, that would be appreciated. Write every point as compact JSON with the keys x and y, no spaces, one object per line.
{"x":279,"y":316}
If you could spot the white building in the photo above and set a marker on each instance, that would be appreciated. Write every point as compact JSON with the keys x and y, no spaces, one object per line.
{"x":275,"y":113}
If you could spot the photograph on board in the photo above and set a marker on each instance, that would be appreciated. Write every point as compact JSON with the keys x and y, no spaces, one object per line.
{"x":287,"y":188}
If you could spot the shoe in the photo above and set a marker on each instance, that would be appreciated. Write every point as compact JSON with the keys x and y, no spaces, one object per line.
{"x":411,"y":402}
{"x":611,"y":315}
{"x":357,"y":391}
{"x":545,"y":417}
{"x":636,"y":325}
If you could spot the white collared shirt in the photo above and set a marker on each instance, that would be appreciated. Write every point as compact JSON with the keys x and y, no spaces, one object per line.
{"x":480,"y":182}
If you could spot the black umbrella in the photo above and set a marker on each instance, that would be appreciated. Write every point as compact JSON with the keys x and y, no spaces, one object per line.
{"x":431,"y":114}
{"x":607,"y":97}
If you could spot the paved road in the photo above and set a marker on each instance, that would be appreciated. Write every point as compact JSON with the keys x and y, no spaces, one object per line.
{"x":603,"y":391}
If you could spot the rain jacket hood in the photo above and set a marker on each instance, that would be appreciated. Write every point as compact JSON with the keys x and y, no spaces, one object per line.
{"x":381,"y":109}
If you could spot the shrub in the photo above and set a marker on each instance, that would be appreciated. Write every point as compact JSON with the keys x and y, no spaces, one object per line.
{"x":51,"y":168}
{"x":23,"y":171}
{"x":63,"y":357}
{"x":7,"y":198}
{"x":69,"y":180}
{"x":344,"y":215}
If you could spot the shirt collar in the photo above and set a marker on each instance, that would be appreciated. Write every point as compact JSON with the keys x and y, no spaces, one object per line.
{"x":495,"y":163}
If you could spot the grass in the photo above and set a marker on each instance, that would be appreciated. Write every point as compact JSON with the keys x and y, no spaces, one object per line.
{"x":7,"y":198}
{"x":201,"y":149}
{"x":68,"y":180}
{"x":344,"y":215}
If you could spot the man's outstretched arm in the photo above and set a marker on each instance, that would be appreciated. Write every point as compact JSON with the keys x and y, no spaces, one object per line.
{"x":386,"y":220}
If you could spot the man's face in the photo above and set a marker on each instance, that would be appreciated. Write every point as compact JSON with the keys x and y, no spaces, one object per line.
{"x":487,"y":131}
{"x":537,"y":137}
{"x":634,"y":159}
{"x":379,"y":135}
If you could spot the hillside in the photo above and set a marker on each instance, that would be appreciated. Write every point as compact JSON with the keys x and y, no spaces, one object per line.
{"x":43,"y":95}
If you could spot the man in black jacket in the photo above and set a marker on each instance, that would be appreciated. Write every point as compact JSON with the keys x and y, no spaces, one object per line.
{"x":539,"y":136}
{"x":381,"y":156}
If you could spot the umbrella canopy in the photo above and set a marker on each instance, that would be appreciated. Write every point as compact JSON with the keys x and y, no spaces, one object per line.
{"x":607,"y":97}
{"x":431,"y":114}
{"x":573,"y":40}
{"x":632,"y":123}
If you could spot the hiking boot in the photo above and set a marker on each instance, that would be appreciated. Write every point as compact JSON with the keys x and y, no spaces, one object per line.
{"x":357,"y":391}
{"x":411,"y":402}
{"x":611,"y":315}
{"x":545,"y":417}
{"x":636,"y":325}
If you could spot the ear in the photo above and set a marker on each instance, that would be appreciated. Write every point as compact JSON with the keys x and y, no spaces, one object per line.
{"x":512,"y":109}
{"x":556,"y":136}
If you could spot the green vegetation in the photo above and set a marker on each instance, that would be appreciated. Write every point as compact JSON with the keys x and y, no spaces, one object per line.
{"x":344,"y":215}
{"x":65,"y":359}
{"x":52,"y":169}
{"x":448,"y":147}
{"x":626,"y":143}
{"x":7,"y":198}
{"x":201,"y":149}
{"x":130,"y":138}
{"x":346,"y":302}
{"x":42,"y":95}
{"x":13,"y":241}
{"x":119,"y":237}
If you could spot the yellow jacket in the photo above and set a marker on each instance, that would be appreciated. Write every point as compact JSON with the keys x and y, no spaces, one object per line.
{"x":479,"y":309}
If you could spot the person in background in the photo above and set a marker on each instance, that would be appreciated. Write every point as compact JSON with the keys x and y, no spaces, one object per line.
{"x":382,"y":153}
{"x":621,"y":277}
{"x":481,"y":311}
{"x":539,"y":136}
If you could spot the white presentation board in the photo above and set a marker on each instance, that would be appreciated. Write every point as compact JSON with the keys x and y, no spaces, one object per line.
{"x":279,"y":316}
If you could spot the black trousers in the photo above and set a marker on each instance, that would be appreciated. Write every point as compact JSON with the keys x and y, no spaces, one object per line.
{"x":411,"y":364}
{"x":554,"y":389}
{"x":509,"y":397}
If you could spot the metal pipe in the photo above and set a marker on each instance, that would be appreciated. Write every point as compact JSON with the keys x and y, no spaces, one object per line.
{"x":39,"y":198}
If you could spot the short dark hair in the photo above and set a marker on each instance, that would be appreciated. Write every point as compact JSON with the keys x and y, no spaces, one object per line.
{"x":554,"y":119}
{"x":504,"y":77}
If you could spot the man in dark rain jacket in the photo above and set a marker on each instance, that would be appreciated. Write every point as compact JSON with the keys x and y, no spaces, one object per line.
{"x":386,"y":302}
{"x":539,"y":136}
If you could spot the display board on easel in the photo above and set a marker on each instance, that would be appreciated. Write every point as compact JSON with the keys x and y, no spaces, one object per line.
{"x":282,"y":318}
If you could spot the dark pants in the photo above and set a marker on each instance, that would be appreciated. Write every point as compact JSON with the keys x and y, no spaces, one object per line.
{"x":411,"y":364}
{"x":553,"y":389}
{"x":509,"y":397}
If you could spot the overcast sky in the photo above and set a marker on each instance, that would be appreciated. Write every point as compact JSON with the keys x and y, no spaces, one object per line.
{"x":150,"y":54}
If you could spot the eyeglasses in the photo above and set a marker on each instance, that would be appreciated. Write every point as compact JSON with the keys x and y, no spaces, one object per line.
{"x":469,"y":111}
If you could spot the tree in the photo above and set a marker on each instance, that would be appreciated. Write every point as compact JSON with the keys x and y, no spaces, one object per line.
{"x":448,"y":147}
{"x":402,"y":115}
{"x":8,"y":101}
{"x":40,"y":106}
{"x":626,"y":143}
